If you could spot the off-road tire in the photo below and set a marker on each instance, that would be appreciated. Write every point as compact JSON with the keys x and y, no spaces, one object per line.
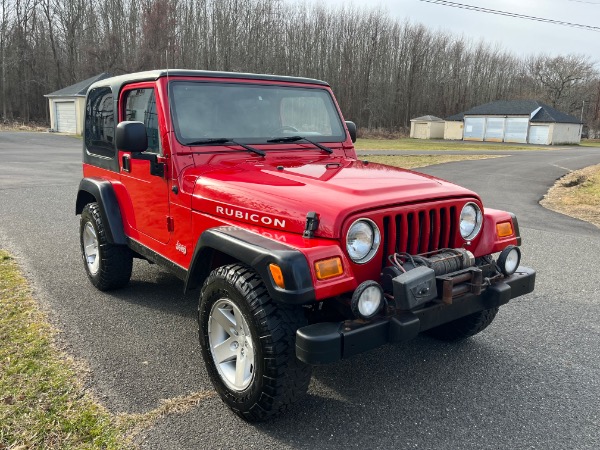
{"x":115,"y":261}
{"x":464,"y":327}
{"x":279,"y":377}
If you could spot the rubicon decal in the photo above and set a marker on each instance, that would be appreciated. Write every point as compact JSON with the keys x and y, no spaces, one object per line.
{"x":250,"y":216}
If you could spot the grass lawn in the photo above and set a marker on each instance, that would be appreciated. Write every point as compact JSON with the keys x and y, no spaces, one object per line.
{"x":43,"y":403}
{"x":590,"y":143}
{"x":577,"y":195}
{"x":439,"y":144}
{"x":413,"y":161}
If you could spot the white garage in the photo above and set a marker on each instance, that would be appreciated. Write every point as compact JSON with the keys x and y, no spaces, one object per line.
{"x":67,"y":106}
{"x":519,"y":121}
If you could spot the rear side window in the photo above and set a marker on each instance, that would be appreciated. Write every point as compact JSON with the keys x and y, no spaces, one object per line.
{"x":100,"y":122}
{"x":140,"y":105}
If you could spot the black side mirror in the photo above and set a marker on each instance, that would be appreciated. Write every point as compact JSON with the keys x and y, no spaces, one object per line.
{"x":351,"y":129}
{"x":132,"y":137}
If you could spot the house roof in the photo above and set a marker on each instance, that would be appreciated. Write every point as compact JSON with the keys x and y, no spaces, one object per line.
{"x":427,"y":119}
{"x":543,"y":112}
{"x":78,"y":89}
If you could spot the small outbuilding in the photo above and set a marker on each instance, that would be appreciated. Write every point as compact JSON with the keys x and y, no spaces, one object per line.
{"x":453,"y":129}
{"x":427,"y":127}
{"x":519,"y":121}
{"x":67,"y":106}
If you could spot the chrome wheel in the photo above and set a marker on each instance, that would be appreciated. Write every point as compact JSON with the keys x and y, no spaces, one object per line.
{"x":231,"y":345}
{"x":90,"y":248}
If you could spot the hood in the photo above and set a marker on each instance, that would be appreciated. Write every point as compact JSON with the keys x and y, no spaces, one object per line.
{"x":279,"y":193}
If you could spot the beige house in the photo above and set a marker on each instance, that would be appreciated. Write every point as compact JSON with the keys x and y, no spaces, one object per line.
{"x":518,"y":121}
{"x":67,"y":106}
{"x":427,"y":127}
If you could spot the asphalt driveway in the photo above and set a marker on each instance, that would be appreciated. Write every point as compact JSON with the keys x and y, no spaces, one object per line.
{"x":531,"y":380}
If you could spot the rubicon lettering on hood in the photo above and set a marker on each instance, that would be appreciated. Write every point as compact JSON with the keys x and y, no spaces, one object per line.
{"x":250,"y":217}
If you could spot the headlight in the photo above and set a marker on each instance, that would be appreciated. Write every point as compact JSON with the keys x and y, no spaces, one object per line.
{"x":363,"y":240}
{"x":470,"y":221}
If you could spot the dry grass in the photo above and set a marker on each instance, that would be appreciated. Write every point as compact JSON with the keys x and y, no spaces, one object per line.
{"x":413,"y":161}
{"x":433,"y":144}
{"x":577,"y":195}
{"x":16,"y":125}
{"x":43,"y":402}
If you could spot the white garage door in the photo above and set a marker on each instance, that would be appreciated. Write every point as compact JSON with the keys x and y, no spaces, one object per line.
{"x":538,"y":134}
{"x":516,"y":129}
{"x":65,"y":117}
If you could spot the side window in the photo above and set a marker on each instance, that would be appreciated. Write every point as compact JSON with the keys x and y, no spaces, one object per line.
{"x":100,"y":122}
{"x":140,"y":105}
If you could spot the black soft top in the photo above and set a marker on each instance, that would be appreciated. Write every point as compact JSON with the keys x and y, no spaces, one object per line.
{"x":117,"y":82}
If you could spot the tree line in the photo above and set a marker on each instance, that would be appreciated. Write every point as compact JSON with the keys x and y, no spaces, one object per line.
{"x":384,"y":71}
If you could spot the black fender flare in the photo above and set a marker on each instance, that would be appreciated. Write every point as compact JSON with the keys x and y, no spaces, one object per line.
{"x":103,"y":193}
{"x":257,"y":252}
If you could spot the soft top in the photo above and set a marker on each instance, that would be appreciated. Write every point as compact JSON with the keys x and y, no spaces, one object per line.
{"x":116,"y":82}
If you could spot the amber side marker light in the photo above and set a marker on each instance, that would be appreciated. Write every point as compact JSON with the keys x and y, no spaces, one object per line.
{"x":504,"y":229}
{"x":329,"y":268}
{"x":277,"y":275}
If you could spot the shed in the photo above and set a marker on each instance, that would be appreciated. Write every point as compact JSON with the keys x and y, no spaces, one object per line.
{"x":519,"y":121}
{"x":67,"y":106}
{"x":453,"y":128}
{"x":427,"y":127}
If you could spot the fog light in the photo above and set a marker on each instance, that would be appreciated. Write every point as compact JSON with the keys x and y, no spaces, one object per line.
{"x":367,"y":299}
{"x":509,"y":260}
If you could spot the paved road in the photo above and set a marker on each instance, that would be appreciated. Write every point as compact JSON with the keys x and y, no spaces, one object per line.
{"x":532,"y":380}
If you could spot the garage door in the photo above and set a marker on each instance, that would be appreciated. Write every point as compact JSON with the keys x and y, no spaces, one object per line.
{"x":538,"y":134}
{"x":65,"y":117}
{"x":516,"y":129}
{"x":420,"y":130}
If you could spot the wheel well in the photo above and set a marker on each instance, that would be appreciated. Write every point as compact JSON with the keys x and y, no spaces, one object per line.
{"x":207,"y":260}
{"x":83,"y":198}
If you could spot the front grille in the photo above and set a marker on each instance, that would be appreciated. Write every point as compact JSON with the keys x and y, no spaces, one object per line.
{"x":418,"y":231}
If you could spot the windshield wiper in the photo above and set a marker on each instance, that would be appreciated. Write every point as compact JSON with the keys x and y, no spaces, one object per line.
{"x":300,"y":138}
{"x":226,"y":141}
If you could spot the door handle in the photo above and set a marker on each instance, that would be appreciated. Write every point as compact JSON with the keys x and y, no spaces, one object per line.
{"x":126,"y":163}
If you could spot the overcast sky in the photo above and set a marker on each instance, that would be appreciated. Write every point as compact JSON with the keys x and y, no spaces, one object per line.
{"x":519,"y":36}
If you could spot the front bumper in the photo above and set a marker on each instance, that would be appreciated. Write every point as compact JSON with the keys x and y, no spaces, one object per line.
{"x":328,"y":342}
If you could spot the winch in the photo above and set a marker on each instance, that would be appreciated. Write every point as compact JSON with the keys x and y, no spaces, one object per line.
{"x":413,"y":279}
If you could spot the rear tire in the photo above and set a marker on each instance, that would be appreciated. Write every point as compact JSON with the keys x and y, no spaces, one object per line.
{"x":236,"y":313}
{"x":108,"y":266}
{"x":464,"y":327}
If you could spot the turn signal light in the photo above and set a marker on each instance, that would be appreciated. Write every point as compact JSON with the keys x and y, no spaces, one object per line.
{"x":329,"y":268}
{"x":504,"y":229}
{"x":277,"y":275}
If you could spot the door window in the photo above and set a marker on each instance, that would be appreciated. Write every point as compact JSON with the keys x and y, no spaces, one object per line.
{"x":140,"y":105}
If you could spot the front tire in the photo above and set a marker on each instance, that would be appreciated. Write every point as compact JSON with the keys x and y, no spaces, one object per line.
{"x":248,"y":344}
{"x":464,"y":327}
{"x":108,"y":266}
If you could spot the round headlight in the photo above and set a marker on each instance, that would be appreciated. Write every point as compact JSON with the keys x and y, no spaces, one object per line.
{"x":470,"y":221}
{"x":362,"y":240}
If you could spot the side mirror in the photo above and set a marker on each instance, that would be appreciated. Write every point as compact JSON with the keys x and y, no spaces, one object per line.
{"x":132,"y":137}
{"x":351,"y":129}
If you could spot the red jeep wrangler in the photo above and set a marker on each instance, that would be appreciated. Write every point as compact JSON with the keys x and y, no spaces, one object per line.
{"x":249,"y":187}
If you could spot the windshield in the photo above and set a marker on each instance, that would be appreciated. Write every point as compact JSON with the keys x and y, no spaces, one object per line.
{"x":253,"y":113}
